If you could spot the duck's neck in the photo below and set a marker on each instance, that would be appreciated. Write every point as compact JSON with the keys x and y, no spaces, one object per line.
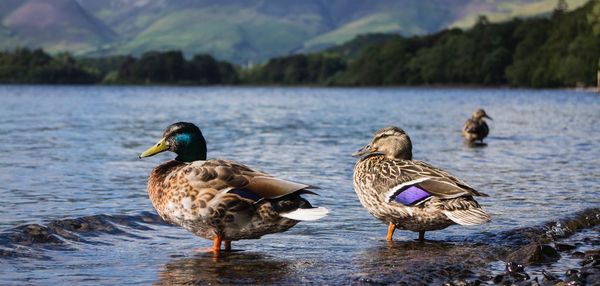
{"x":191,"y":156}
{"x":402,"y":156}
{"x":477,"y":118}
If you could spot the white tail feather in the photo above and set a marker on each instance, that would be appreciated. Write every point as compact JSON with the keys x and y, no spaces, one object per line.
{"x":468,"y":217}
{"x":306,"y":214}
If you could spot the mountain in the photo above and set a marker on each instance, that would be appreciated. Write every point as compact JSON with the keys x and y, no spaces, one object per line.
{"x":243,"y":31}
{"x":54,"y":25}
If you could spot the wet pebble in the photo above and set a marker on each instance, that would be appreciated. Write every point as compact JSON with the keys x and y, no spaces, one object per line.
{"x":571,"y":272}
{"x":486,"y":278}
{"x":463,"y":283}
{"x":498,"y":279}
{"x":575,"y":280}
{"x":515,"y":275}
{"x":530,"y":282}
{"x":578,"y":254}
{"x":591,"y":258}
{"x":549,"y":276}
{"x":513,"y":267}
{"x":564,"y":246}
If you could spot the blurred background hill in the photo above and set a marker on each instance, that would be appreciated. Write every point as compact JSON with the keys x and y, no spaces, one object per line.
{"x":240,"y":31}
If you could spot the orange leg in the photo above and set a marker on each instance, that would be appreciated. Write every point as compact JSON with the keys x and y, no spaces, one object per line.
{"x":227,"y":245}
{"x":390,"y":232}
{"x":217,"y":244}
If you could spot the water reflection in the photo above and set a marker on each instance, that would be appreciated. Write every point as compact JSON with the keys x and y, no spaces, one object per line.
{"x":413,"y":261}
{"x":474,"y":144}
{"x":229,"y":268}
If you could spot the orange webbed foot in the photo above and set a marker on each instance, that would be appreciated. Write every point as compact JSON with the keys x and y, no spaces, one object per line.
{"x":216,"y":249}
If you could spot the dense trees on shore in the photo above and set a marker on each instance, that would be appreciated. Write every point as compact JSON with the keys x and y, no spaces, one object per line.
{"x":315,"y":69}
{"x":27,"y":66}
{"x":560,"y":50}
{"x":172,"y":68}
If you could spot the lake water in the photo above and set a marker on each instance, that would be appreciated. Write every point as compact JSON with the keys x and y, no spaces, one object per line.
{"x":71,"y":152}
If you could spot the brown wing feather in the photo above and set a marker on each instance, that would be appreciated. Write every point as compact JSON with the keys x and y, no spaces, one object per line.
{"x":470,"y":126}
{"x":475,"y":130}
{"x":445,"y":182}
{"x":439,"y":183}
{"x":225,"y":175}
{"x":270,"y":187}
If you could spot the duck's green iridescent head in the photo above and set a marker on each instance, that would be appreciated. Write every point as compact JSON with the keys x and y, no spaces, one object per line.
{"x":183,"y":138}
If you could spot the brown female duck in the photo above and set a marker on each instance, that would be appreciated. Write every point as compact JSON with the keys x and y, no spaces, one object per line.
{"x":475,"y":128}
{"x":221,"y":200}
{"x":410,"y":194}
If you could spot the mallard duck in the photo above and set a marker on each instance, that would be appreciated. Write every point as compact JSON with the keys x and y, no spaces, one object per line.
{"x":475,"y":128}
{"x":221,"y":200}
{"x":410,"y":194}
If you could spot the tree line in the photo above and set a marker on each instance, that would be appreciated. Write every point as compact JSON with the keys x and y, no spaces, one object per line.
{"x":562,"y":49}
{"x":541,"y":52}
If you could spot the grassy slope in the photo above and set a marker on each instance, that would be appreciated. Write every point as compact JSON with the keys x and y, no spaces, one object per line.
{"x":509,"y":10}
{"x":226,"y":33}
{"x":410,"y":21}
{"x":376,"y":23}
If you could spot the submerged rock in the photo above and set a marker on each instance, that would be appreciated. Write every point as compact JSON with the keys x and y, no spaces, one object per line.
{"x":591,"y":275}
{"x":23,"y":240}
{"x":33,"y":234}
{"x":534,"y":253}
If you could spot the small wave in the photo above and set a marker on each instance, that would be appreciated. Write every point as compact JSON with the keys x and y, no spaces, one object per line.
{"x":28,"y":239}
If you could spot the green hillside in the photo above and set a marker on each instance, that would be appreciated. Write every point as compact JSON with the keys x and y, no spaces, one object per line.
{"x":506,"y":10}
{"x":238,"y":39}
{"x":242,"y":31}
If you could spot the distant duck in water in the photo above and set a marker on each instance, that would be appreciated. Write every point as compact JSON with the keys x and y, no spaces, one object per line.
{"x":221,"y":200}
{"x":410,"y":194}
{"x":475,"y":128}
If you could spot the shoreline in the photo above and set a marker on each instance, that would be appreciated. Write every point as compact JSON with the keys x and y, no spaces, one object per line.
{"x":552,"y":253}
{"x":433,"y":86}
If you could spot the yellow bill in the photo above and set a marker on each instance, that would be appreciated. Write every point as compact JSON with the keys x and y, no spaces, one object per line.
{"x":161,"y":146}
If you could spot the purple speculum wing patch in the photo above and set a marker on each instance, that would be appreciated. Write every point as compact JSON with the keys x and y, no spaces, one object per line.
{"x":411,"y":195}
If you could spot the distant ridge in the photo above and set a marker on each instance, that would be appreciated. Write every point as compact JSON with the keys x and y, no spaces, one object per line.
{"x":242,"y":31}
{"x":57,"y":25}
